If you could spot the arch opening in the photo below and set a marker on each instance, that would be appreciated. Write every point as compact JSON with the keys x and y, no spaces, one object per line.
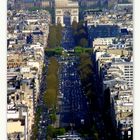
{"x":67,"y":18}
{"x":58,"y":20}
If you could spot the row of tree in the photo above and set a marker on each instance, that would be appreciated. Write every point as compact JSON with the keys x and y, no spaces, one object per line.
{"x":96,"y":98}
{"x":80,"y":50}
{"x":50,"y":97}
{"x":80,"y":34}
{"x":55,"y":36}
{"x":54,"y":132}
{"x":53,"y":51}
{"x":35,"y":127}
{"x":86,"y":76}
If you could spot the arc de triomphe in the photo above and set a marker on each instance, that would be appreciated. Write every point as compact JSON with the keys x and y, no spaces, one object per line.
{"x":66,"y":8}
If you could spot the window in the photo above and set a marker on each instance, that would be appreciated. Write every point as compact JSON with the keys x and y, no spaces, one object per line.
{"x":75,"y":11}
{"x":126,"y":77}
{"x":126,"y":66}
{"x":126,"y":72}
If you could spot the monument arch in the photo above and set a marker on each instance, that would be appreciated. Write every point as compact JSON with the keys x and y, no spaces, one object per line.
{"x":66,"y":11}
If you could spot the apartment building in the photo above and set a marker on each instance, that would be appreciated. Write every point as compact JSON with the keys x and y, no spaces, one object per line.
{"x":102,"y":43}
{"x":122,"y":109}
{"x":24,"y":71}
{"x":117,"y":75}
{"x":17,"y":122}
{"x":127,"y":71}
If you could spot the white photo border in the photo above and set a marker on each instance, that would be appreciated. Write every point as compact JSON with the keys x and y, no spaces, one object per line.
{"x":3,"y":69}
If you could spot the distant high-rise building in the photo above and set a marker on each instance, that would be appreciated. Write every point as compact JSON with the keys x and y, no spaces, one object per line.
{"x":88,"y":3}
{"x":93,"y":4}
{"x":25,"y":4}
{"x":125,"y":1}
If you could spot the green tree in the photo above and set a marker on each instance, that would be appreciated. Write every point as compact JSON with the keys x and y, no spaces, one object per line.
{"x":60,"y":131}
{"x":52,"y":39}
{"x":53,"y":117}
{"x":52,"y":81}
{"x":36,"y":122}
{"x":79,"y":32}
{"x":50,"y":131}
{"x":78,"y":50}
{"x":74,"y":26}
{"x":50,"y":98}
{"x":83,"y":42}
{"x":59,"y":33}
{"x":55,"y":36}
{"x":58,"y":51}
{"x":82,"y":31}
{"x":80,"y":25}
